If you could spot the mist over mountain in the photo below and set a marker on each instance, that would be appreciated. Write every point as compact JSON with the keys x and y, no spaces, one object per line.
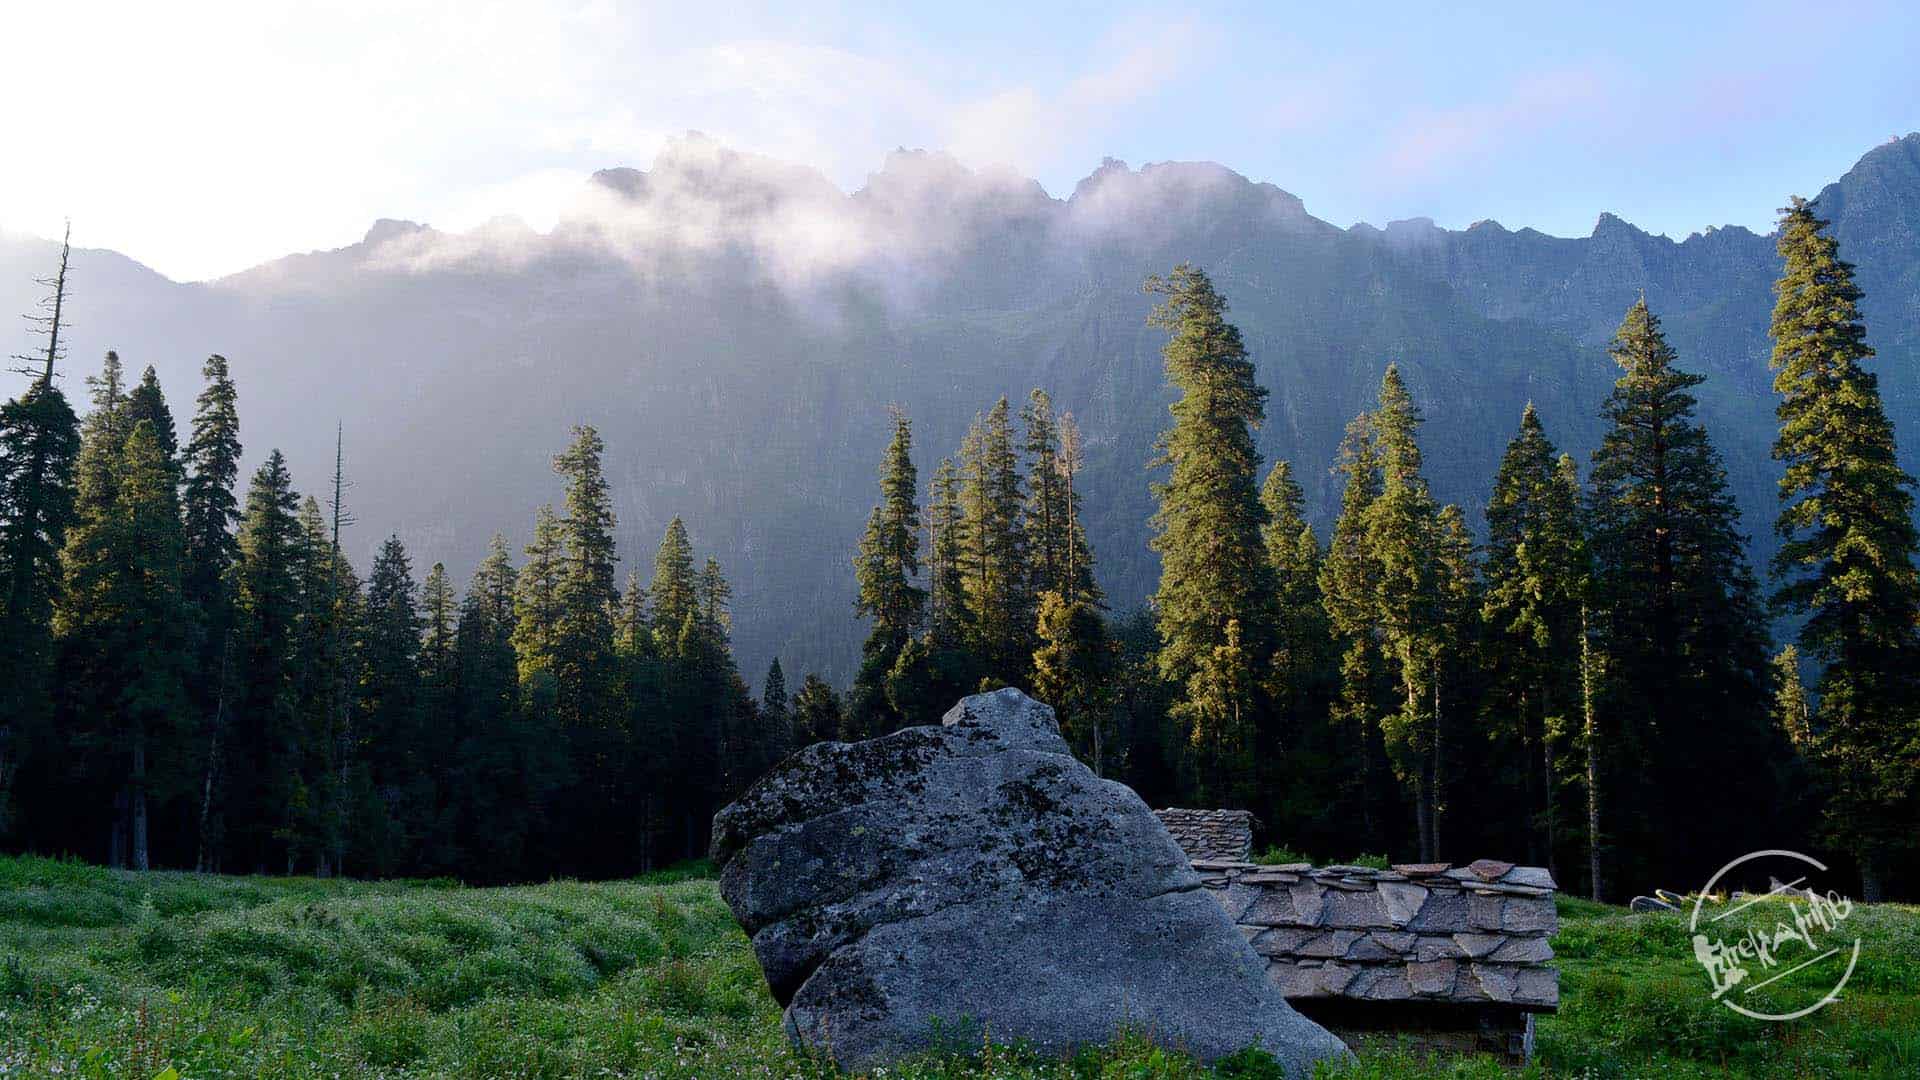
{"x":736,"y":327}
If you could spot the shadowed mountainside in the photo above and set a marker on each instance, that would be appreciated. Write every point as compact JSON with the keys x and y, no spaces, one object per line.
{"x":736,"y":327}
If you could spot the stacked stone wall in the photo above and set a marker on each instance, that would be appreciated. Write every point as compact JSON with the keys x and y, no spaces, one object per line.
{"x":1211,"y":834}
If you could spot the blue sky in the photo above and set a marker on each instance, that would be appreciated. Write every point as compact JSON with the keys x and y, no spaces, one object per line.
{"x":207,"y":139}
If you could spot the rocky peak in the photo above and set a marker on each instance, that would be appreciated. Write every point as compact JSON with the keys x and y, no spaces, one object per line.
{"x":386,"y":229}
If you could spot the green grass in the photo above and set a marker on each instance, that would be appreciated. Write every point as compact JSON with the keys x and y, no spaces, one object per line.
{"x":105,"y":974}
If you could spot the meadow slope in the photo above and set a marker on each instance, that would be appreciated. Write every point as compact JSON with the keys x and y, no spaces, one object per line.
{"x":108,"y":974}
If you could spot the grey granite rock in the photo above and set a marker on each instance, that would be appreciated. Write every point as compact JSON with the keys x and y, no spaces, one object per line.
{"x":975,"y":878}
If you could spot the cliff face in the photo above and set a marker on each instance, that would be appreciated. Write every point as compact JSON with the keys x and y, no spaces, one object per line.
{"x":736,"y":327}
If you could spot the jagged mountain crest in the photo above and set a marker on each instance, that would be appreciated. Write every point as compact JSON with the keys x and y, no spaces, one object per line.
{"x":737,"y":326}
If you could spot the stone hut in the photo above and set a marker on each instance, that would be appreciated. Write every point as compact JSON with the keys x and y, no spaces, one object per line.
{"x":1451,"y":960}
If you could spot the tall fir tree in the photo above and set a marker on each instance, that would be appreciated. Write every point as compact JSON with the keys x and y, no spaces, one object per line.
{"x":536,"y":608}
{"x":1409,"y":601}
{"x":994,"y":561}
{"x":211,"y":513}
{"x":263,"y":784}
{"x":584,"y":594}
{"x":1303,"y":761}
{"x":146,"y":401}
{"x":389,"y":740}
{"x":1536,"y":573}
{"x":103,"y":435}
{"x":123,"y":631}
{"x":674,"y":591}
{"x":1215,"y":601}
{"x":885,"y":568}
{"x":817,"y":715}
{"x":1077,"y":581}
{"x":1347,"y":587}
{"x":1846,"y":564}
{"x":1687,"y":643}
{"x":39,"y":445}
{"x":776,"y":715}
{"x":1059,"y":557}
{"x":1073,"y":671}
{"x":322,"y":672}
{"x":1303,"y":657}
{"x":509,"y":758}
{"x":947,"y":616}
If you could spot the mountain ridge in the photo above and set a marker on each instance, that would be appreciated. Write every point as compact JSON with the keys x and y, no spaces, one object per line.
{"x":739,"y":351}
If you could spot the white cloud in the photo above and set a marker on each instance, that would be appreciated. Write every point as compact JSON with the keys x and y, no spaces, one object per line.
{"x":205,"y":138}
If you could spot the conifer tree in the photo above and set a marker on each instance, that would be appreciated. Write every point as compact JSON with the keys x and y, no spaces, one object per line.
{"x":817,"y":716}
{"x":39,"y":444}
{"x":885,"y":567}
{"x":122,"y":627}
{"x":919,"y":687}
{"x":264,"y":782}
{"x":1847,"y":561}
{"x":674,"y":591}
{"x":632,"y":633}
{"x":1404,"y":536}
{"x":536,"y":608}
{"x":1303,"y":656}
{"x":1687,"y":647}
{"x":1304,"y":760}
{"x":1793,"y":711}
{"x":147,"y":402}
{"x":1073,"y":671}
{"x":437,"y":611}
{"x":1347,"y":585}
{"x":994,"y":561}
{"x":211,"y":512}
{"x":430,"y":783}
{"x":776,"y":716}
{"x":212,"y":461}
{"x":584,"y":595}
{"x":322,"y":672}
{"x":1215,"y":601}
{"x":1077,"y":581}
{"x":510,"y":759}
{"x":1591,"y":666}
{"x":1536,"y":572}
{"x":1048,"y":525}
{"x":388,"y":732}
{"x":103,"y":436}
{"x":948,"y":620}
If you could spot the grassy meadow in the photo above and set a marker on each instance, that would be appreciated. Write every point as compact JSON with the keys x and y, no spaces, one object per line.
{"x":169,"y":975}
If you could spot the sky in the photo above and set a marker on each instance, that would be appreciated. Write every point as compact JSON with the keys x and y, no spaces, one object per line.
{"x":205,"y":137}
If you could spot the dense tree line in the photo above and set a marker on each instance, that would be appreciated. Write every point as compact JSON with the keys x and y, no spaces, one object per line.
{"x":197,"y":677}
{"x":1588,"y":684}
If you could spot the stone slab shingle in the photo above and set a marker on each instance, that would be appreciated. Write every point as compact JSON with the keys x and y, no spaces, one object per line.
{"x":1428,"y":932}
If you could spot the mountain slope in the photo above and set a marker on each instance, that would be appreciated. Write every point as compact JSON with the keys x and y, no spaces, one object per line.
{"x":736,"y":327}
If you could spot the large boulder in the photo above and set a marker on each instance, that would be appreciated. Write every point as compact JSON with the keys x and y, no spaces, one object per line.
{"x":941,"y":883}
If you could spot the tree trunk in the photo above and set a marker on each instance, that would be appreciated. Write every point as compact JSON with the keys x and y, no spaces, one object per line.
{"x":1591,"y":731}
{"x":1548,"y":822}
{"x":1529,"y":777}
{"x":1872,"y":888}
{"x":138,"y":796}
{"x":1422,"y":815}
{"x":1436,"y":783}
{"x":206,"y":860}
